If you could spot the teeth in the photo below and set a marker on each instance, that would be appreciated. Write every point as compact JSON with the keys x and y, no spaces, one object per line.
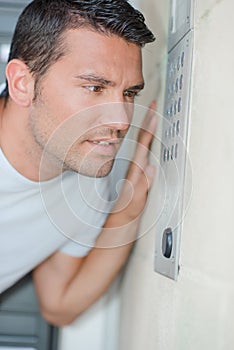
{"x":101,"y":143}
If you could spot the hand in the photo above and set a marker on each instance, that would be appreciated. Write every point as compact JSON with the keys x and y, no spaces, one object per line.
{"x":140,"y":174}
{"x":67,"y":285}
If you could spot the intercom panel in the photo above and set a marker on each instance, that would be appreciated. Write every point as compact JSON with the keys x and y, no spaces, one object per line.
{"x":181,"y":20}
{"x":174,"y":156}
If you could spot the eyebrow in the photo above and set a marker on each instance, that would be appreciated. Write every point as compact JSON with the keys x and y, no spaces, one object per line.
{"x":137,"y":87}
{"x":94,"y":78}
{"x":97,"y":79}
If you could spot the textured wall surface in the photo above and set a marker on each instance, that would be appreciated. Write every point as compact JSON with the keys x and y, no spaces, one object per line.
{"x":197,"y":312}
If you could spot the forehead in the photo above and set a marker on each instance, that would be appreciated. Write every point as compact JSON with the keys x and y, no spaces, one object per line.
{"x":84,"y":47}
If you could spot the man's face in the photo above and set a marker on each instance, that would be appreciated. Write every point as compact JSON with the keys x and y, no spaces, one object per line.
{"x":84,"y":103}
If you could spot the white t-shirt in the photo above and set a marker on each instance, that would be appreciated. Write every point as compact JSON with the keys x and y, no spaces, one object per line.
{"x":36,"y":219}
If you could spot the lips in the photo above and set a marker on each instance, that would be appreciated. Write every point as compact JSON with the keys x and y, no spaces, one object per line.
{"x":107,"y":147}
{"x":106,"y":142}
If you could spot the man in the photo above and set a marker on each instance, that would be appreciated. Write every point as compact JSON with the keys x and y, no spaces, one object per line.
{"x":73,"y":73}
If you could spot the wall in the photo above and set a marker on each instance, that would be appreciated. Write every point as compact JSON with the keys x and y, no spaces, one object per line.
{"x":197,"y":312}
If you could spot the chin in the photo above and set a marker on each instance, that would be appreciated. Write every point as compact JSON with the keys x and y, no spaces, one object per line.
{"x":92,"y":169}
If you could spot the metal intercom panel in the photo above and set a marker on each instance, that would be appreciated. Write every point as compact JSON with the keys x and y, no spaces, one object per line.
{"x":181,"y":20}
{"x":174,"y":138}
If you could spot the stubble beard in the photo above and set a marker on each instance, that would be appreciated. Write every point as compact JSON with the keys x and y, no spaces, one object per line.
{"x":88,"y":167}
{"x":56,"y":156}
{"x":55,"y":159}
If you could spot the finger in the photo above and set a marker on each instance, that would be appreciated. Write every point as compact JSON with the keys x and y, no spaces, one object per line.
{"x":146,"y":133}
{"x":137,"y":171}
{"x":144,"y":182}
{"x":150,"y":112}
{"x":150,"y":173}
{"x":144,"y":143}
{"x":148,"y":127}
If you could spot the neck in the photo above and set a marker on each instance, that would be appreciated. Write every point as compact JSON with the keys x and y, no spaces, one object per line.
{"x":18,"y":145}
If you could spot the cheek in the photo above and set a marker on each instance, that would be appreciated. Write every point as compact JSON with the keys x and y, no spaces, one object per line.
{"x":51,"y":109}
{"x":62,"y":96}
{"x":71,"y":112}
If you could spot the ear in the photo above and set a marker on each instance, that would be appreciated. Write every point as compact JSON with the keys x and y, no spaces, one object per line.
{"x":20,"y":82}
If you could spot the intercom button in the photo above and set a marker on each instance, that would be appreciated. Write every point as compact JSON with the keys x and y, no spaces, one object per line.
{"x":171,"y":110}
{"x":177,"y":85}
{"x":172,"y":152}
{"x":167,"y":243}
{"x":176,"y":150}
{"x":174,"y":130}
{"x":178,"y":63}
{"x":165,"y":155}
{"x":182,"y":59}
{"x":181,"y":81}
{"x":175,"y":107}
{"x":171,"y":68}
{"x":170,"y":132}
{"x":179,"y":105}
{"x":168,"y":154}
{"x":178,"y":127}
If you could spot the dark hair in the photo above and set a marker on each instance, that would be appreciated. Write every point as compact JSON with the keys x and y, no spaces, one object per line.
{"x":38,"y":36}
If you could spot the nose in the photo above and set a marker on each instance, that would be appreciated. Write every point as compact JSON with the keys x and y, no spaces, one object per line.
{"x":117,"y":115}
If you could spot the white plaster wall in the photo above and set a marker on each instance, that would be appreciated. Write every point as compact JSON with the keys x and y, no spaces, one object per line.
{"x":197,"y":312}
{"x":95,"y":329}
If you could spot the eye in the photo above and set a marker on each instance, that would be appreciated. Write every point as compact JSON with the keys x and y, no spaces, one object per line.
{"x":94,"y":88}
{"x":131,"y":94}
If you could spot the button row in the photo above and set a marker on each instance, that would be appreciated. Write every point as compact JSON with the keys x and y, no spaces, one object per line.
{"x":180,"y":61}
{"x":173,"y":130}
{"x":175,"y":66}
{"x":175,"y":107}
{"x":177,"y":85}
{"x":170,"y":153}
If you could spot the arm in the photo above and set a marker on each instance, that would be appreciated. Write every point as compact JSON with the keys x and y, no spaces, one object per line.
{"x":66,"y":285}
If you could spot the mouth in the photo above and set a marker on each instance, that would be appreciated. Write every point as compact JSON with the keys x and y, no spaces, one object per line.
{"x":108,"y":147}
{"x":106,"y":142}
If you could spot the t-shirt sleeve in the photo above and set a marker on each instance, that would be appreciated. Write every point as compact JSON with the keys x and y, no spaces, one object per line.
{"x":75,"y":249}
{"x":92,"y":207}
{"x":82,"y":212}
